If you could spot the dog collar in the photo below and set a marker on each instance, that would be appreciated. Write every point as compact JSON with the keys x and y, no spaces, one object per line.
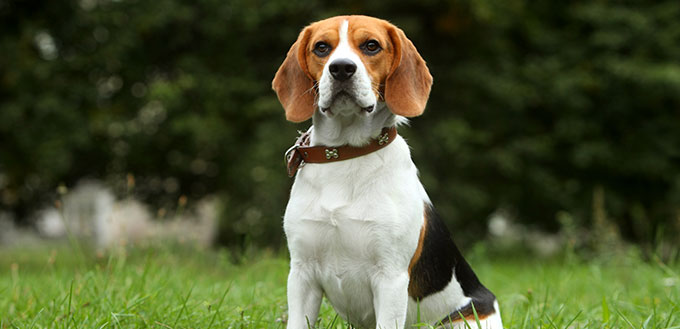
{"x":301,"y":152}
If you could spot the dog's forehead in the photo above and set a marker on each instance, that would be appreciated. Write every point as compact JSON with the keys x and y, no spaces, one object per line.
{"x":368,"y":24}
{"x":326,"y":27}
{"x":330,"y":27}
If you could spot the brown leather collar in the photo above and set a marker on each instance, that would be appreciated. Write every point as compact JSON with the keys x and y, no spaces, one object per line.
{"x":301,"y":152}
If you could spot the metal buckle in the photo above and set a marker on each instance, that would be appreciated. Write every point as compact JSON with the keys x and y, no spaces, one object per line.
{"x":289,"y":152}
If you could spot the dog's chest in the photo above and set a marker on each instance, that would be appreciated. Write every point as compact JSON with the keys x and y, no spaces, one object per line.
{"x":354,"y":207}
{"x":342,"y":239}
{"x":349,"y":220}
{"x":337,"y":214}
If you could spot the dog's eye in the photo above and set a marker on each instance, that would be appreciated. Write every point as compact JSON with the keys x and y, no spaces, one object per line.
{"x":371,"y":47}
{"x":322,"y":49}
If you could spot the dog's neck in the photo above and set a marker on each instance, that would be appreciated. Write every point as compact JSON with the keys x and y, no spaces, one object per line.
{"x":355,"y":129}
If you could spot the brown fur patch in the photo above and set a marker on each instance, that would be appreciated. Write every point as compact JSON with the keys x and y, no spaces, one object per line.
{"x":292,"y":84}
{"x":413,"y":287}
{"x":408,"y":85}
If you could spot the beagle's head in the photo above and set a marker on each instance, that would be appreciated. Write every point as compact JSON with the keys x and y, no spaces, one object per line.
{"x":346,"y":65}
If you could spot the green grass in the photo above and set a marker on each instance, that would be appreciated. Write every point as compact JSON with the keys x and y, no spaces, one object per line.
{"x":63,"y":287}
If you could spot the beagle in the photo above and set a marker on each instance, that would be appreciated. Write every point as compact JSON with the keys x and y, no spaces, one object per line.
{"x":360,"y":227}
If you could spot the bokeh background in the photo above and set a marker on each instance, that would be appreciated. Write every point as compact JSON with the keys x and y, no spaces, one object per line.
{"x":554,"y":121}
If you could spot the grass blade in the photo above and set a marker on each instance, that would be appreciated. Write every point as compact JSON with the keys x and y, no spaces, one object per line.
{"x":625,"y":319}
{"x":605,"y":310}
{"x":184,"y":306}
{"x":219,"y":305}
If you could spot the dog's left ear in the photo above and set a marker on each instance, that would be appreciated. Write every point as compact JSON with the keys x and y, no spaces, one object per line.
{"x":292,"y":83}
{"x":408,"y":85}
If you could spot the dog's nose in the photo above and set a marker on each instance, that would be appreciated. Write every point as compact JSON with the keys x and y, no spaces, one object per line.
{"x":342,"y":69}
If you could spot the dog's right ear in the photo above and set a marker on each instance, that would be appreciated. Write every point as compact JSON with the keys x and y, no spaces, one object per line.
{"x":408,"y":85}
{"x":293,"y":84}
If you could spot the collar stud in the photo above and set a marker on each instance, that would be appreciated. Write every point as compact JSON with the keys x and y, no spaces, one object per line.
{"x":384,"y":138}
{"x":332,"y":153}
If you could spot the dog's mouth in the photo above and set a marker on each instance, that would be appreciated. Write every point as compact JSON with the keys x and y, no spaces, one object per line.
{"x":367,"y":109}
{"x":344,"y":100}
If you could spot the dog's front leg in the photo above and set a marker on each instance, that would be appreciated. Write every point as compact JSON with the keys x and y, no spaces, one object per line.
{"x":390,"y":299}
{"x":304,"y":299}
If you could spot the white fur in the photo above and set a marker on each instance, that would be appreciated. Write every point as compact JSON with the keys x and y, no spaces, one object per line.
{"x":353,"y":226}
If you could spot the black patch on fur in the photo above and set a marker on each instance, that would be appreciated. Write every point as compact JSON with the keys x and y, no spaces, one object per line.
{"x":483,"y":302}
{"x":438,"y":260}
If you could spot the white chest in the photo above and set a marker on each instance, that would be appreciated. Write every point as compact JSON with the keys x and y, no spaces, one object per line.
{"x":349,"y":206}
{"x":348,"y":220}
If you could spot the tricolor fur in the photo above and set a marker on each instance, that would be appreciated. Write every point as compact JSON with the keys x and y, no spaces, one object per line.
{"x":363,"y":231}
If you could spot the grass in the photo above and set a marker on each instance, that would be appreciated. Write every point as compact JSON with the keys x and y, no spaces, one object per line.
{"x":172,"y":287}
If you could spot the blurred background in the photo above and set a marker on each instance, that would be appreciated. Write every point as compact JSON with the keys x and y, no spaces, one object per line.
{"x":551,"y":124}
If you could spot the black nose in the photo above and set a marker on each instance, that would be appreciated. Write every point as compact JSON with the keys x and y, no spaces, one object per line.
{"x":342,"y":69}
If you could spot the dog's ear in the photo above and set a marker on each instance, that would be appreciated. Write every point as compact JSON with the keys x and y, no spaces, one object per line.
{"x":408,"y":85}
{"x":293,"y":84}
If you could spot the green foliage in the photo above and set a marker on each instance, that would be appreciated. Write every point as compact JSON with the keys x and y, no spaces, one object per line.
{"x":535,"y":105}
